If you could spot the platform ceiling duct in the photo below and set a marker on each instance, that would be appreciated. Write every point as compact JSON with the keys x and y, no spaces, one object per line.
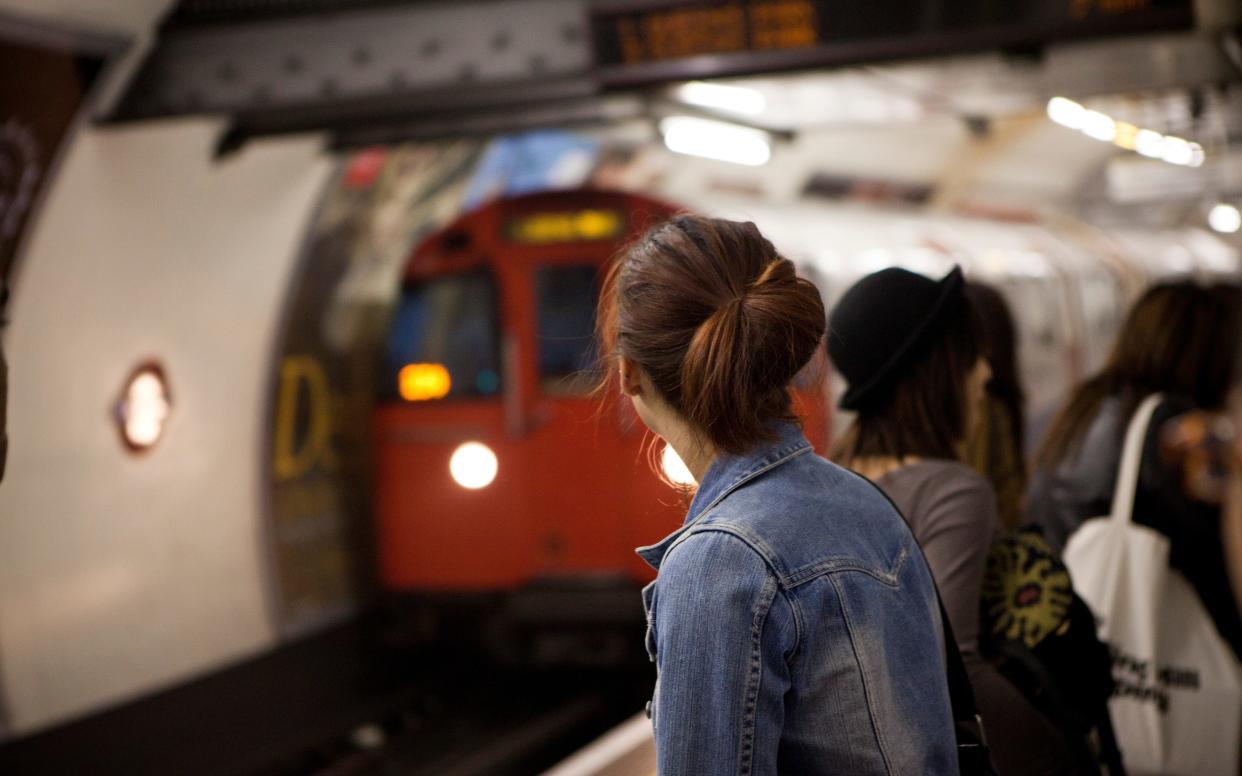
{"x":420,"y":69}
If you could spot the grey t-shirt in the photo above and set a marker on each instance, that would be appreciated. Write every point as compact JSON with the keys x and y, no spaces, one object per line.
{"x":952,"y":512}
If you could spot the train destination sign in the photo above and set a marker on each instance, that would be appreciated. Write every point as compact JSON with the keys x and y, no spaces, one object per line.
{"x":648,"y":41}
{"x":546,"y":228}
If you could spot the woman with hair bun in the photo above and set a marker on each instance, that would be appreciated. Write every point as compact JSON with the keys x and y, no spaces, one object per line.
{"x":794,"y":623}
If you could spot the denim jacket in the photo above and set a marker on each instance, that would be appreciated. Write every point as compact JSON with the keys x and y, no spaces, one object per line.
{"x":795,"y":628}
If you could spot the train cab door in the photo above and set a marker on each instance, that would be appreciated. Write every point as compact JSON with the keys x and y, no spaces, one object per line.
{"x":570,"y":446}
{"x":456,"y":331}
{"x":590,"y":486}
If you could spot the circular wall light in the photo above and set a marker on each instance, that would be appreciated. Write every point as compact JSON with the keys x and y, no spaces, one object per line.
{"x":473,"y":465}
{"x":143,"y":408}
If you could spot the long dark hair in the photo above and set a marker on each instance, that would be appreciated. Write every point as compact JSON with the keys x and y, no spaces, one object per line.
{"x":999,"y":341}
{"x":1221,"y":371}
{"x":1173,"y":341}
{"x":717,"y":319}
{"x":923,"y":410}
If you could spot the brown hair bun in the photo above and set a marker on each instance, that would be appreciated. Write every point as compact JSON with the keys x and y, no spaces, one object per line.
{"x":720,"y":322}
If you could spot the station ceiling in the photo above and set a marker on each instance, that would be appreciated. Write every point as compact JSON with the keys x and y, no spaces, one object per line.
{"x":972,"y":125}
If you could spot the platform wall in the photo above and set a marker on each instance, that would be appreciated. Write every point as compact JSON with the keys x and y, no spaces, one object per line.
{"x":120,"y":574}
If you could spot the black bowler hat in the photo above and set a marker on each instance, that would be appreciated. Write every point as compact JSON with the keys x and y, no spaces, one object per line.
{"x":880,"y":322}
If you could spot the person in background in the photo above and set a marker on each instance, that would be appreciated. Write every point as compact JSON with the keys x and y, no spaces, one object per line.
{"x":909,"y":349}
{"x":4,"y":442}
{"x":1171,"y":343}
{"x":1233,"y":497}
{"x":4,"y":379}
{"x":794,"y":622}
{"x":994,"y":443}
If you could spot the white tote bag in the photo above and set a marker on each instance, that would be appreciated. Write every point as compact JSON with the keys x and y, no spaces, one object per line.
{"x":1177,"y":706}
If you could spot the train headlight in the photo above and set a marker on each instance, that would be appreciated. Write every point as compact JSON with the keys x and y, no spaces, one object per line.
{"x":674,"y":468}
{"x":473,"y":465}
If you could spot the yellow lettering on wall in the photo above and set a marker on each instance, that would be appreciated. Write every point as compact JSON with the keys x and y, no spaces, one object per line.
{"x":294,"y":457}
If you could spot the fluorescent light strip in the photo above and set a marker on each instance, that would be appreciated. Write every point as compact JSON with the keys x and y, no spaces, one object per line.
{"x":1099,"y":126}
{"x":734,"y":99}
{"x":1146,"y":142}
{"x":1149,"y":143}
{"x":716,"y":140}
{"x":1065,"y":112}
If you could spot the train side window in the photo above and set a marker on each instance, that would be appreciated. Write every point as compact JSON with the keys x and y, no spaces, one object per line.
{"x":565,"y":328}
{"x":444,"y":340}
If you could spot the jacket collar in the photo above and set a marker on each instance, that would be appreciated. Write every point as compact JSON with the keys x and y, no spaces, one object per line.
{"x":726,"y":474}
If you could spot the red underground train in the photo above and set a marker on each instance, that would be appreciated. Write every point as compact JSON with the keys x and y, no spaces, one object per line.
{"x":509,"y":499}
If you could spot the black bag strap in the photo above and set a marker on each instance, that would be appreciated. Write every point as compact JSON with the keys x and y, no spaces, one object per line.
{"x":973,"y":756}
{"x":961,"y":693}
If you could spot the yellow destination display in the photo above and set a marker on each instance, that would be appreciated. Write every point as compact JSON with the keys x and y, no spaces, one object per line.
{"x":564,"y":227}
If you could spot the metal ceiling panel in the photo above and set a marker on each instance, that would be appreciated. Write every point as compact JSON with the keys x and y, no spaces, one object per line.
{"x":374,"y":63}
{"x":416,"y":68}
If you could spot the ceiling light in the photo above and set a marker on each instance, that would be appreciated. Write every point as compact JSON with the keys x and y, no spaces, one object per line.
{"x":1149,"y":143}
{"x":1127,"y":135}
{"x":1065,"y":112}
{"x":1225,"y":218}
{"x":1196,"y":155}
{"x":1177,"y":151}
{"x":1146,"y":142}
{"x":1099,"y":126}
{"x":735,"y":99}
{"x":716,"y":140}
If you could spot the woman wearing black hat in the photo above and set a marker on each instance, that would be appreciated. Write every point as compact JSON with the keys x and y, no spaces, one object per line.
{"x":908,"y":348}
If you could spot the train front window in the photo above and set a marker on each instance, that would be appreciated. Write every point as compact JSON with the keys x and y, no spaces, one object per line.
{"x":444,"y":340}
{"x":566,"y":297}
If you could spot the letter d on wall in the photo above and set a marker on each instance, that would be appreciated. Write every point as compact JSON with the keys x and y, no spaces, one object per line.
{"x":303,"y":435}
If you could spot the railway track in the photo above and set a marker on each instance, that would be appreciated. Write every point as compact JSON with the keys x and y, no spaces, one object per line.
{"x":508,"y":724}
{"x":336,"y":704}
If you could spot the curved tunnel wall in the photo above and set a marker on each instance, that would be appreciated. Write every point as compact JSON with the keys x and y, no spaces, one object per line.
{"x":121,"y":573}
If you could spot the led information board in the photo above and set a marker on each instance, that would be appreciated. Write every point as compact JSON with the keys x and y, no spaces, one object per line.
{"x":647,"y":41}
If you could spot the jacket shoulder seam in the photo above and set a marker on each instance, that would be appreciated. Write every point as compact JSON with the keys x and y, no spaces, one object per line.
{"x":862,"y":672}
{"x":890,"y":576}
